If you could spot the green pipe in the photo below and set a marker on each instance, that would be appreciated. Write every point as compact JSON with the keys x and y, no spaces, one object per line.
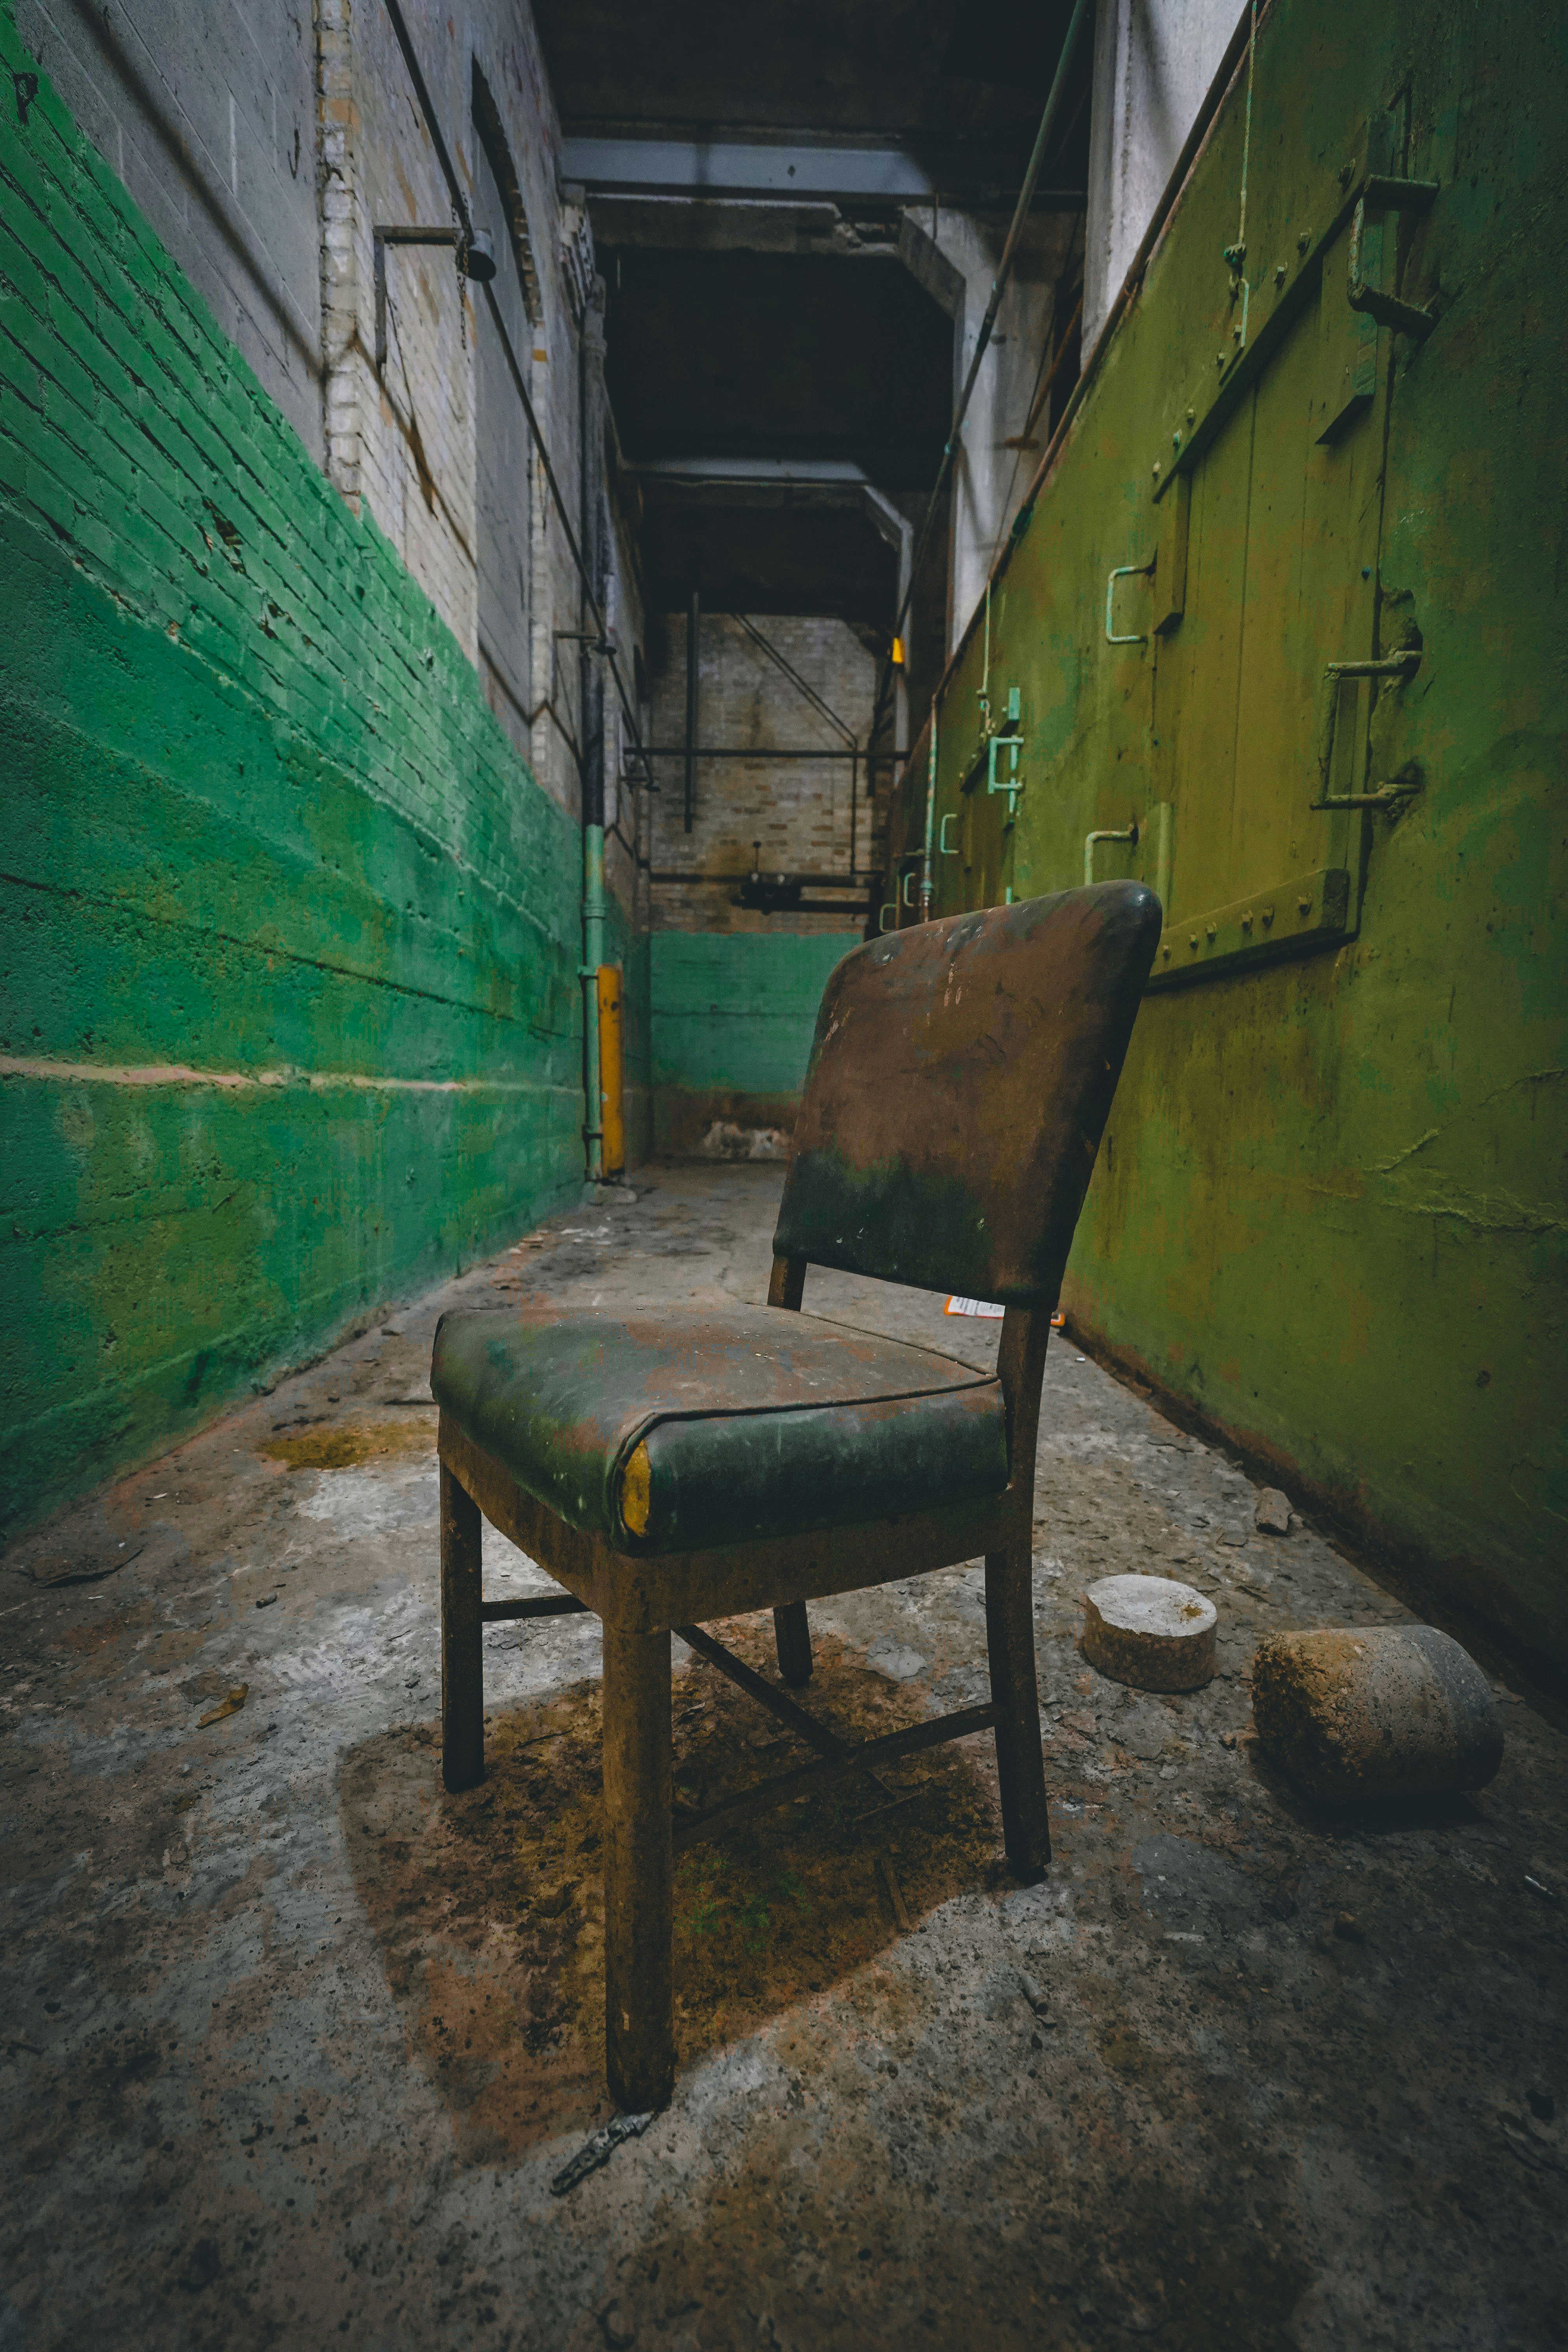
{"x":592,"y":957}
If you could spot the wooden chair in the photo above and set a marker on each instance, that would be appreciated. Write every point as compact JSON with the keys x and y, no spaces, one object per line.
{"x":690,"y":1465}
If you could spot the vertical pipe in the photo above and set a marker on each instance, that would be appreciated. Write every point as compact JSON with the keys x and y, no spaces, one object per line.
{"x":592,"y":957}
{"x":853,"y":798}
{"x":931,"y":822}
{"x":612,"y":1071}
{"x":590,"y":720}
{"x":693,"y":620}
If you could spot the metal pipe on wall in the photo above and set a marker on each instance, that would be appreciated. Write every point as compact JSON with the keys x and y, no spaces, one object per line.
{"x":693,"y":623}
{"x":591,"y":729}
{"x":930,"y":823}
{"x":592,"y":599}
{"x":1082,"y":14}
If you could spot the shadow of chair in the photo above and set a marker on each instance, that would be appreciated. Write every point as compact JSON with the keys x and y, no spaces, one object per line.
{"x":688,"y":1466}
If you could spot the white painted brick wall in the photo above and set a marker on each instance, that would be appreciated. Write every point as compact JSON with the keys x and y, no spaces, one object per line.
{"x":206,"y":110}
{"x":263,"y":142}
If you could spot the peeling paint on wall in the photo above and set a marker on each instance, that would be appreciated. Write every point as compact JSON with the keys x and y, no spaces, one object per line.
{"x":1329,"y":1207}
{"x":290,"y":1019}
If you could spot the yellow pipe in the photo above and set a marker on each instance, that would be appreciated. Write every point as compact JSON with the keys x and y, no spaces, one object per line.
{"x":612,"y":1071}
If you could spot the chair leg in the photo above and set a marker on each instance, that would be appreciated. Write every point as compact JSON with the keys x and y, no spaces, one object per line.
{"x":793,"y":1635}
{"x":639,"y":2020}
{"x":462,"y":1659}
{"x":1020,"y":1765}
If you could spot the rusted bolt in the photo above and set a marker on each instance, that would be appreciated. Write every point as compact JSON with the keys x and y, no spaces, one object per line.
{"x":1235,"y":334}
{"x":1246,"y":921}
{"x":1211,"y":931}
{"x":1267,"y":914}
{"x":1305,"y":905}
{"x":1190,"y":414}
{"x":1345,"y":170}
{"x":1193,"y":939}
{"x":1175,"y":440}
{"x":1303,"y":241}
{"x":1156,"y":469}
{"x":1280,"y":274}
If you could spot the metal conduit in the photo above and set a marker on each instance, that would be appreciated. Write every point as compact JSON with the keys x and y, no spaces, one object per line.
{"x":1081,"y":12}
{"x":593,"y":832}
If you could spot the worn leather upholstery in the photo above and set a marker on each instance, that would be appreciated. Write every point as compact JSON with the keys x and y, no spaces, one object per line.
{"x":960,"y":1082}
{"x":757,"y":1423}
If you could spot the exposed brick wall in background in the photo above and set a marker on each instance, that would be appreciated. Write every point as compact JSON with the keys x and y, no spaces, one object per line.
{"x":800,"y":811}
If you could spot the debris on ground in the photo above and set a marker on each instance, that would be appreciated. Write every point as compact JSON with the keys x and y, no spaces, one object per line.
{"x":84,"y":1567}
{"x":895,"y":1894}
{"x":1149,"y":1631}
{"x":226,"y":1706}
{"x":1375,"y":1711}
{"x":598,"y":2152}
{"x":725,"y":1140}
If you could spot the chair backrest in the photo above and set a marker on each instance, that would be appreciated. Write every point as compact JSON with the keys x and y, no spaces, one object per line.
{"x":961,"y":1078}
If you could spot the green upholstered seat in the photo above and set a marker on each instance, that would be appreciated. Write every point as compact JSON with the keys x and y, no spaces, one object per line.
{"x":755,"y":1423}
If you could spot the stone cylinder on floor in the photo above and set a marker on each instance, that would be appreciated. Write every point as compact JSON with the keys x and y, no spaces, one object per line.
{"x":1149,"y":1630}
{"x":1375,"y":1711}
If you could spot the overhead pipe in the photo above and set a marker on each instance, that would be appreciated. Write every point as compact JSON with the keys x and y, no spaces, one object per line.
{"x":1203,"y":123}
{"x":1082,"y":11}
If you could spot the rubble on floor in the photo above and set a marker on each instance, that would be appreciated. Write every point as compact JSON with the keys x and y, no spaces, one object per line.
{"x":295,"y":2046}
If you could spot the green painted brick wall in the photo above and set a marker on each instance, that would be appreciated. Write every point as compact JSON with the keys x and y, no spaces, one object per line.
{"x":288,"y":1015}
{"x":731,"y":1018}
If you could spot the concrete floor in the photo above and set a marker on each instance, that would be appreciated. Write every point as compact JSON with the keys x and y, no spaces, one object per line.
{"x":293,"y":2045}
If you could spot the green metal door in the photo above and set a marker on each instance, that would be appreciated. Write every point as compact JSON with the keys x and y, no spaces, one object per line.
{"x":1257,"y":615}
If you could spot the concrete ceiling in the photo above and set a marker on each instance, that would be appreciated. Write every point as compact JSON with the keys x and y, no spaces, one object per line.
{"x":776,"y":355}
{"x":745,"y":170}
{"x":971,"y":75}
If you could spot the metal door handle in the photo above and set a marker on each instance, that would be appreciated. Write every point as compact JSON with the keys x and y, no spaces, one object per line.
{"x":1400,"y":664}
{"x":1127,"y":833}
{"x":904,"y":887}
{"x":942,"y":848}
{"x":1123,"y":571}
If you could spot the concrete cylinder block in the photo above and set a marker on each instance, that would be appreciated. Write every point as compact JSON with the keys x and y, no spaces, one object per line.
{"x":1149,"y":1631}
{"x":1376,"y":1711}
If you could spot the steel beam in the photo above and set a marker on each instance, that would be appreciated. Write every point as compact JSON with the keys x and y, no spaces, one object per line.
{"x":817,"y":173}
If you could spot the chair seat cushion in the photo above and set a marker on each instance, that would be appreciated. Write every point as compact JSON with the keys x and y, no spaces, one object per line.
{"x":746,"y":1421}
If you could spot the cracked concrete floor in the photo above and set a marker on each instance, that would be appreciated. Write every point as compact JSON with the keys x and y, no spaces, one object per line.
{"x":292,"y":2044}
